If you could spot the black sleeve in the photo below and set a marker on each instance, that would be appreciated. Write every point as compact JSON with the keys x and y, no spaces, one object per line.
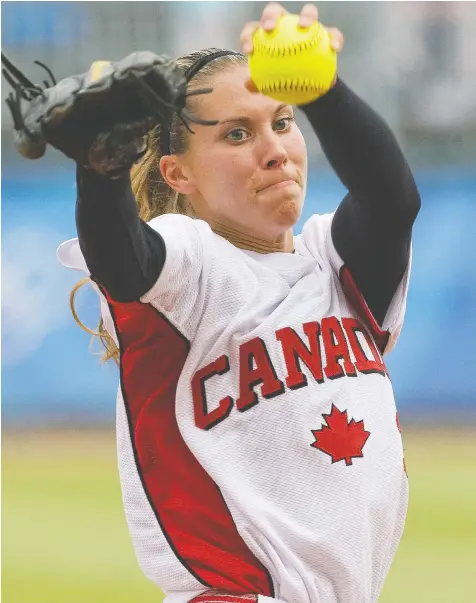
{"x":123,"y":253}
{"x":372,"y":227}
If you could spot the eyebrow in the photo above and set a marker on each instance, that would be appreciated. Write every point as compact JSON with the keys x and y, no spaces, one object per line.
{"x":246,"y":120}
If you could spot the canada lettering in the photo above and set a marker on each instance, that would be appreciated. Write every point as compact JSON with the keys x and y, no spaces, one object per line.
{"x":331,"y":349}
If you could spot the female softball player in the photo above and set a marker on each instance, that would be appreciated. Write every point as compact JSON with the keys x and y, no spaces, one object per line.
{"x":259,"y":448}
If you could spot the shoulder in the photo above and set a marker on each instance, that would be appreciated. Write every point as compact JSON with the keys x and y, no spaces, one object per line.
{"x":179,"y":224}
{"x":184,"y":234}
{"x":317,"y":224}
{"x":316,"y":240}
{"x":184,"y":237}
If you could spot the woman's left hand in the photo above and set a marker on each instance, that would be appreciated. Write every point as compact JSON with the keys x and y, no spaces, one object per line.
{"x":269,"y":19}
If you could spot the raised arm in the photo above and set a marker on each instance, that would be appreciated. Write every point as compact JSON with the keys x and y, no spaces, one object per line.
{"x":372,"y":226}
{"x":123,"y":253}
{"x":99,"y":119}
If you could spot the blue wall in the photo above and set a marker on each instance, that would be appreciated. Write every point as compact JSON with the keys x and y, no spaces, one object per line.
{"x":49,"y":374}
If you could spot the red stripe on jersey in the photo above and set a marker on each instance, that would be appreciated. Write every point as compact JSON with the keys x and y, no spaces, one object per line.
{"x":360,"y":306}
{"x":187,"y":503}
{"x":213,"y":596}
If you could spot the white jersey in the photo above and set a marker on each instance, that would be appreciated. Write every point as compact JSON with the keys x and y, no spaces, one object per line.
{"x":258,"y":439}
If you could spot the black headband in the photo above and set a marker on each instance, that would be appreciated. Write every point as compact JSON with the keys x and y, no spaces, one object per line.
{"x":189,"y":74}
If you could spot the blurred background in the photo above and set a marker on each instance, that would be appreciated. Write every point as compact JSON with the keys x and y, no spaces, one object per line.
{"x":64,"y":534}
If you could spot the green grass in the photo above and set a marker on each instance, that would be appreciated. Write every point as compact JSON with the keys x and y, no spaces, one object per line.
{"x":436,"y":560}
{"x":65,"y":539}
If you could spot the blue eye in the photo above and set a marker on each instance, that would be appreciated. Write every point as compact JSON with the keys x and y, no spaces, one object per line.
{"x":241,"y":134}
{"x":236,"y":135}
{"x":283,"y":123}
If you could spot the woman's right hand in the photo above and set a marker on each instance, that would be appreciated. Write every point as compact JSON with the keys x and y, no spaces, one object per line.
{"x":269,"y":19}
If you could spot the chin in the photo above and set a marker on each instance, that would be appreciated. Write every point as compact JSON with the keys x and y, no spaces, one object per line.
{"x":289,"y":212}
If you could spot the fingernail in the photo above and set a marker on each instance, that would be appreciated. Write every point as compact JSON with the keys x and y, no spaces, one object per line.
{"x":268,"y":24}
{"x":247,"y":48}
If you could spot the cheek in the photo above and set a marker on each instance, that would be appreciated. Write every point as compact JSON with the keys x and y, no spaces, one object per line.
{"x":224,"y":175}
{"x":297,"y":151}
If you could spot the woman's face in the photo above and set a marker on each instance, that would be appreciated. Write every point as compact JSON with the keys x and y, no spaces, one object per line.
{"x":249,"y":171}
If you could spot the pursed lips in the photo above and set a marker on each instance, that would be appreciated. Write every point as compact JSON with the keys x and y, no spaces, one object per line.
{"x":278,"y":184}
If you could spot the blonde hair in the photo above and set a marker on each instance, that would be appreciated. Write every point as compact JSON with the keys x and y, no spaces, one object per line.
{"x":153,"y":195}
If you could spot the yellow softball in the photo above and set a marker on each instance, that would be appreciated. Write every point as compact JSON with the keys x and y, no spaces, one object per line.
{"x":293,"y":64}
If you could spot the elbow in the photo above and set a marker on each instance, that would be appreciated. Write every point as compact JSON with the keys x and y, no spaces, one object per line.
{"x":406,"y":199}
{"x":413,"y":201}
{"x":413,"y":197}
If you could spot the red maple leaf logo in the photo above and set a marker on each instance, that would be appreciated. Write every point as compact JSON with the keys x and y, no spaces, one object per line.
{"x":340,"y":439}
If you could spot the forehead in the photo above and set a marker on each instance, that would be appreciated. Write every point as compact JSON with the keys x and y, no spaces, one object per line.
{"x":230,"y":98}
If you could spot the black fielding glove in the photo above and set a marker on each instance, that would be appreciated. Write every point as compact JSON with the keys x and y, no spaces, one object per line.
{"x":99,"y":118}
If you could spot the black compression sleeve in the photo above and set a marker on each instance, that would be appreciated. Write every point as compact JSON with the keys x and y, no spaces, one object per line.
{"x":372,"y":226}
{"x":122,"y":252}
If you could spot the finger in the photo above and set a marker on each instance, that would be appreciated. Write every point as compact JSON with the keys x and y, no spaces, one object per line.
{"x":271,"y":13}
{"x":246,"y":38}
{"x":337,"y":38}
{"x":308,"y":15}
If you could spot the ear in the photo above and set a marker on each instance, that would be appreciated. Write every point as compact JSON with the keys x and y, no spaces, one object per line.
{"x":176,"y":175}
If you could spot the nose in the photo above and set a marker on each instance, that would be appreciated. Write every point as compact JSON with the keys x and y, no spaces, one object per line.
{"x":274,"y":154}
